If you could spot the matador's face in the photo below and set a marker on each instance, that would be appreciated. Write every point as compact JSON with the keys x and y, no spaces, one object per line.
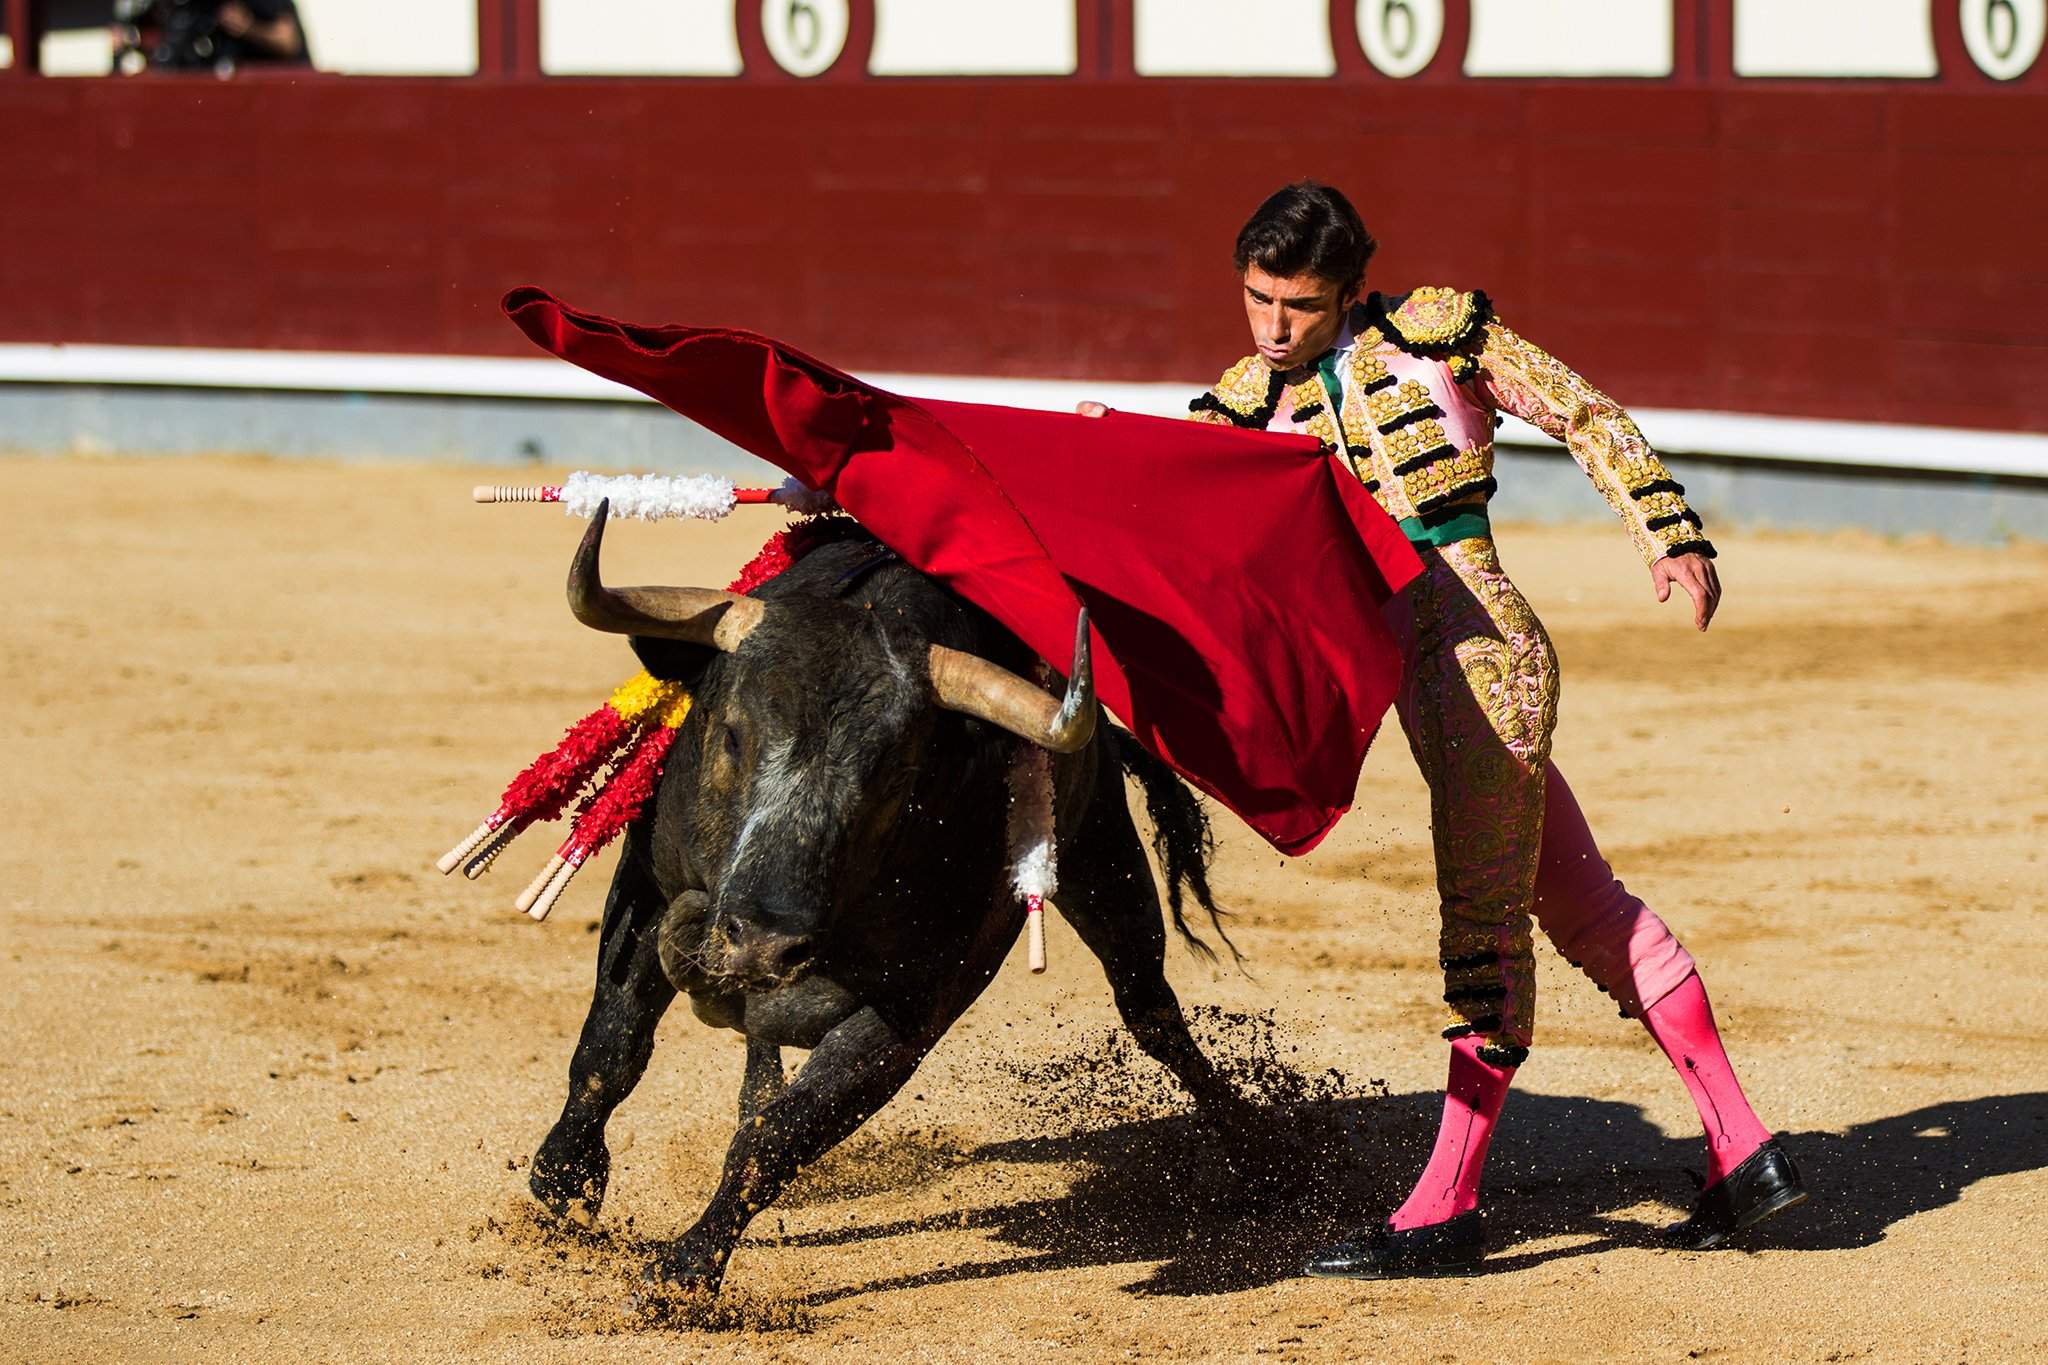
{"x":1294,"y":318}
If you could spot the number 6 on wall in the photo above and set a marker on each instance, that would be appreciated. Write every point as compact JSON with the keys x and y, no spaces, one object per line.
{"x":2004,"y":36}
{"x":1399,"y":37}
{"x":805,"y":36}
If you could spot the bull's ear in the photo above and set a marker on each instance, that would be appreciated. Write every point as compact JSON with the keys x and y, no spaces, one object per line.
{"x":672,"y":660}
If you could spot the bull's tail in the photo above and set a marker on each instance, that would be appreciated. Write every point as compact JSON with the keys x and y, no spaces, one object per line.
{"x":1181,"y":840}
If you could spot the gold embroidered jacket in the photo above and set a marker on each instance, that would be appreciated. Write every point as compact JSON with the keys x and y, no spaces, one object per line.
{"x":1421,"y":378}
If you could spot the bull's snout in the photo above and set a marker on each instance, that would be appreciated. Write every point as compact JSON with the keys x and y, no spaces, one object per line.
{"x":761,"y":956}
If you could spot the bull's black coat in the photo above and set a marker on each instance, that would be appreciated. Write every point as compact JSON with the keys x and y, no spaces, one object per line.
{"x":825,"y":868}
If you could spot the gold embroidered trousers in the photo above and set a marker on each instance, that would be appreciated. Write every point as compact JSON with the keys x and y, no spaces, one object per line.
{"x":1479,"y":704}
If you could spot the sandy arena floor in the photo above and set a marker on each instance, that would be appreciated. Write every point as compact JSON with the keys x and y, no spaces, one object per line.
{"x":270,"y":1084}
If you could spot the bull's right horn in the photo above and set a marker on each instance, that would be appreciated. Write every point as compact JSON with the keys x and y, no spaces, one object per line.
{"x":972,"y":685}
{"x":702,"y":616}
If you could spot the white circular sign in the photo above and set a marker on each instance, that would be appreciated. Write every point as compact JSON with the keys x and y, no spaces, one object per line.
{"x":1399,"y":37}
{"x":805,"y":36}
{"x":2004,"y":36}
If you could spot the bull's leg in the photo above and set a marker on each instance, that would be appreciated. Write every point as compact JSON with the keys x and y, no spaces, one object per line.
{"x":573,"y":1164}
{"x":851,"y":1074}
{"x":763,"y":1081}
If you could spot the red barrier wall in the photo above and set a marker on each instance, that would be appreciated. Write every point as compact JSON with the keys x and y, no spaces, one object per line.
{"x":1860,"y":250}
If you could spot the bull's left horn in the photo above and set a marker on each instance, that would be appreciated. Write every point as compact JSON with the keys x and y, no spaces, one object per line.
{"x":972,"y":685}
{"x":701,"y":616}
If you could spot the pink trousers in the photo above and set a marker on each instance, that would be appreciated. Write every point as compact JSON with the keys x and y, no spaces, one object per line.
{"x":1577,"y":901}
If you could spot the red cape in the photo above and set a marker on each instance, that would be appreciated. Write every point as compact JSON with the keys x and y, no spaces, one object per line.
{"x":1234,"y":578}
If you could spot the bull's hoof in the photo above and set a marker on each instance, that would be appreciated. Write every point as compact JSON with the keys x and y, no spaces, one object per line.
{"x":571,"y":1185}
{"x":678,"y":1273}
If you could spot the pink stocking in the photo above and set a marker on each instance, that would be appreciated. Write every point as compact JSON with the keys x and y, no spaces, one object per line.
{"x":1683,"y":1025}
{"x":1472,"y":1100}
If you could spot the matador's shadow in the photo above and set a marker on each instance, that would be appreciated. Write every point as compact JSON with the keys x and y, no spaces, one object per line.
{"x":1561,"y":1165}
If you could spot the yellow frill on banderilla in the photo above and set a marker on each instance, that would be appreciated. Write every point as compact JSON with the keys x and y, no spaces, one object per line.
{"x":617,"y":752}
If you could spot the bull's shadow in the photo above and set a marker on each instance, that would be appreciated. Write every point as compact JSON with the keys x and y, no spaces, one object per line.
{"x":1560,"y":1165}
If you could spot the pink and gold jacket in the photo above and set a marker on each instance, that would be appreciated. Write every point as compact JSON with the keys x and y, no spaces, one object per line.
{"x":1410,"y":395}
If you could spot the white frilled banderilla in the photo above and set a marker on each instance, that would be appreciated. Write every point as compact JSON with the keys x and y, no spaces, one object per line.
{"x":1034,"y":862}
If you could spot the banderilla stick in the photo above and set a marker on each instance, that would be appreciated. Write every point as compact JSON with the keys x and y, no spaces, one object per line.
{"x":551,"y":492}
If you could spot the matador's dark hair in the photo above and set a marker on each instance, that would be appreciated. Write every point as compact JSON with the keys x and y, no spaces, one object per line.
{"x":1306,"y":226}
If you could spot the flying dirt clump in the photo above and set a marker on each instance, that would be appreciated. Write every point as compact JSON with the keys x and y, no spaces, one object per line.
{"x":1323,"y":1124}
{"x":588,"y":1281}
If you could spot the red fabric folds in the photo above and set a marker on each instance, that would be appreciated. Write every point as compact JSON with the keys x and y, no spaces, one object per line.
{"x":1234,"y":578}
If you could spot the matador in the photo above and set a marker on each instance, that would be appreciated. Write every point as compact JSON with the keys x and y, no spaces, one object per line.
{"x":1406,"y":390}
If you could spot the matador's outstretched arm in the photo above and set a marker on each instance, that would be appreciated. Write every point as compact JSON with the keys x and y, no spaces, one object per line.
{"x":1533,"y":385}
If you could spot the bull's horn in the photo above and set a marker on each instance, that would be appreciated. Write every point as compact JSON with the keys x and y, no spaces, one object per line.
{"x":701,"y":616}
{"x":972,"y":685}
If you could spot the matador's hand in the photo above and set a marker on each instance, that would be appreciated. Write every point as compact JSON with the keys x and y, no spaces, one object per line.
{"x":1091,"y":408}
{"x":1694,"y":573}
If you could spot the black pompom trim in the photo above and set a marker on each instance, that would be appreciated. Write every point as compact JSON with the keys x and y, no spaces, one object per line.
{"x":1385,"y":381}
{"x":1688,"y":516}
{"x":1703,"y":548}
{"x":1255,"y":421}
{"x":1427,"y":457}
{"x":1413,"y":415}
{"x":1505,"y":1056}
{"x":1437,"y":516}
{"x":1485,"y":488}
{"x":1467,"y":963}
{"x":1658,"y":486}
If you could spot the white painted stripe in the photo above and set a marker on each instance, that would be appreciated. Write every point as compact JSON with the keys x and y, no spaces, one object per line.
{"x":1835,"y":38}
{"x":948,"y":38}
{"x":312,"y":371}
{"x":1232,"y":38}
{"x":1569,"y":38}
{"x":639,"y":38}
{"x":1676,"y":431}
{"x":392,"y":37}
{"x":1807,"y":440}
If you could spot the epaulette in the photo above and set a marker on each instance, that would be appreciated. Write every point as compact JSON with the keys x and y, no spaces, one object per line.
{"x":1247,"y":396}
{"x":1432,"y":320}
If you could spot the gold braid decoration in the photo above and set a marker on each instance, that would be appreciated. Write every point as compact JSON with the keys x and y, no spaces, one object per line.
{"x":1434,"y":316}
{"x":1308,"y":397}
{"x":1409,"y":399}
{"x":1369,"y":377}
{"x":1431,"y":320}
{"x":1605,"y":441}
{"x":1246,"y":396}
{"x":1425,"y":438}
{"x":1443,"y":481}
{"x":1369,"y":373}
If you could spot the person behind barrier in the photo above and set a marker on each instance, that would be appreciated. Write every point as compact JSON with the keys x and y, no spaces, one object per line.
{"x":208,"y":34}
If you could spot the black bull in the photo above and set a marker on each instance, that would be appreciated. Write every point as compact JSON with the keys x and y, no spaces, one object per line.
{"x":825,"y":867}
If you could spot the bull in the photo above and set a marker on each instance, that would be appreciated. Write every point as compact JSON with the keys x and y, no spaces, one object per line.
{"x":824,"y":865}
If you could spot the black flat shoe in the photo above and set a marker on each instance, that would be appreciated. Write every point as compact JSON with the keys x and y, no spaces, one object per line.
{"x":1453,"y":1247}
{"x":1766,"y":1183}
